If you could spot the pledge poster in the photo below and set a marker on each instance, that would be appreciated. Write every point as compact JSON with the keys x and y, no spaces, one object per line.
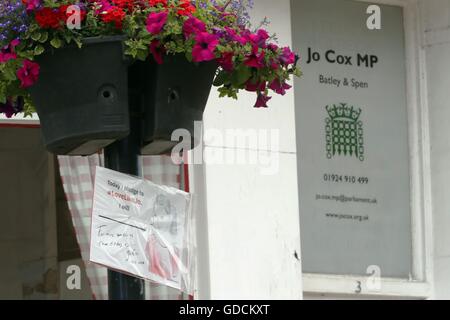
{"x":351,"y":113}
{"x":141,"y":228}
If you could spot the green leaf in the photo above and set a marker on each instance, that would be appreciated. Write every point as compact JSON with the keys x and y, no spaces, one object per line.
{"x":38,"y":50}
{"x":141,"y":55}
{"x":240,"y":76}
{"x":56,"y":43}
{"x":79,"y":43}
{"x":36,"y":36}
{"x":189,"y":56}
{"x":3,"y":96}
{"x":221,"y":79}
{"x":9,"y":74}
{"x":44,"y":37}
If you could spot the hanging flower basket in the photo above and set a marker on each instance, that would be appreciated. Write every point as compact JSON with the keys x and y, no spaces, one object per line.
{"x":174,"y":98}
{"x":66,"y":60}
{"x":81,"y":96}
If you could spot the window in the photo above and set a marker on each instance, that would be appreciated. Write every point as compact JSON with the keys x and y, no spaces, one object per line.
{"x":361,"y":195}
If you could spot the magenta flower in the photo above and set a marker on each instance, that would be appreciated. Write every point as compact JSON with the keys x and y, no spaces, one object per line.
{"x":273,"y":47}
{"x":103,"y":6}
{"x":279,"y":86}
{"x":12,"y":107}
{"x":255,"y":59}
{"x":8,"y":52}
{"x":156,"y":22}
{"x":193,"y":26}
{"x":233,"y":36}
{"x":28,"y":74}
{"x":262,"y":100}
{"x":157,"y":51}
{"x":5,"y":57}
{"x":287,"y":57}
{"x":259,"y":38}
{"x":204,"y":47}
{"x":226,"y":61}
{"x":255,"y":86}
{"x":274,"y":65}
{"x":32,"y":4}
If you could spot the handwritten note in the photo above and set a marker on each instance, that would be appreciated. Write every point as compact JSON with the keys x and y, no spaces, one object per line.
{"x":141,"y":228}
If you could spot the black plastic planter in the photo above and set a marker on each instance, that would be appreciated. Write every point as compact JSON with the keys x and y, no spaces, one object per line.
{"x":175,"y":96}
{"x":81,"y":96}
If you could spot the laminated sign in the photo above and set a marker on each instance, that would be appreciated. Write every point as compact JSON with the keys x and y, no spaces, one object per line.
{"x":140,"y":228}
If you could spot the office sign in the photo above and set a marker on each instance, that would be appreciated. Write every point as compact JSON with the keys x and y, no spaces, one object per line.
{"x":351,"y":113}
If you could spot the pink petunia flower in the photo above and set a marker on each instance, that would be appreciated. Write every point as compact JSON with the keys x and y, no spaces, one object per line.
{"x":279,"y":87}
{"x":255,"y":86}
{"x":233,"y":35}
{"x":205,"y":46}
{"x":156,"y":22}
{"x":226,"y":61}
{"x":12,"y":106}
{"x":28,"y":74}
{"x":193,"y":26}
{"x":274,"y":65}
{"x":255,"y":59}
{"x":273,"y":47}
{"x":259,"y":38}
{"x":31,"y":4}
{"x":287,"y":57}
{"x":262,"y":100}
{"x":8,"y":52}
{"x":157,"y":51}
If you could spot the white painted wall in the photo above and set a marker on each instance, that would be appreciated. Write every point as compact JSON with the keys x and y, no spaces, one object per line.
{"x":248,"y":223}
{"x":436,"y":31}
{"x":249,"y":228}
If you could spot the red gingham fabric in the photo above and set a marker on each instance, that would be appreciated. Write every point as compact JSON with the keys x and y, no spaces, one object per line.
{"x":78,"y":175}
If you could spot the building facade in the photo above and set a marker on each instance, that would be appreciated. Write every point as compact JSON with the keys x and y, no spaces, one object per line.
{"x":339,"y":188}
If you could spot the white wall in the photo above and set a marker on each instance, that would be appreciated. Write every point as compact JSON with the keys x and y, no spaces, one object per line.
{"x":436,"y":30}
{"x":249,"y":222}
{"x":249,"y":232}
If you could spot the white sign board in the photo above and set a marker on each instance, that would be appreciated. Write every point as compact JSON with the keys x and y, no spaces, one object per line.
{"x":140,"y":228}
{"x":351,"y":113}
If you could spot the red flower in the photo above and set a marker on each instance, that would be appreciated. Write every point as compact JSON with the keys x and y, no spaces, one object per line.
{"x":64,"y":16}
{"x":157,"y":51}
{"x":48,"y":18}
{"x":28,"y":74}
{"x":186,"y":8}
{"x":114,"y":14}
{"x":154,"y":3}
{"x":125,"y":4}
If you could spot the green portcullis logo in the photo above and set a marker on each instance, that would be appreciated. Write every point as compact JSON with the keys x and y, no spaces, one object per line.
{"x":344,"y":132}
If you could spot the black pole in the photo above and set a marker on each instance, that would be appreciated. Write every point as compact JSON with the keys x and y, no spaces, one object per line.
{"x":122,"y":156}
